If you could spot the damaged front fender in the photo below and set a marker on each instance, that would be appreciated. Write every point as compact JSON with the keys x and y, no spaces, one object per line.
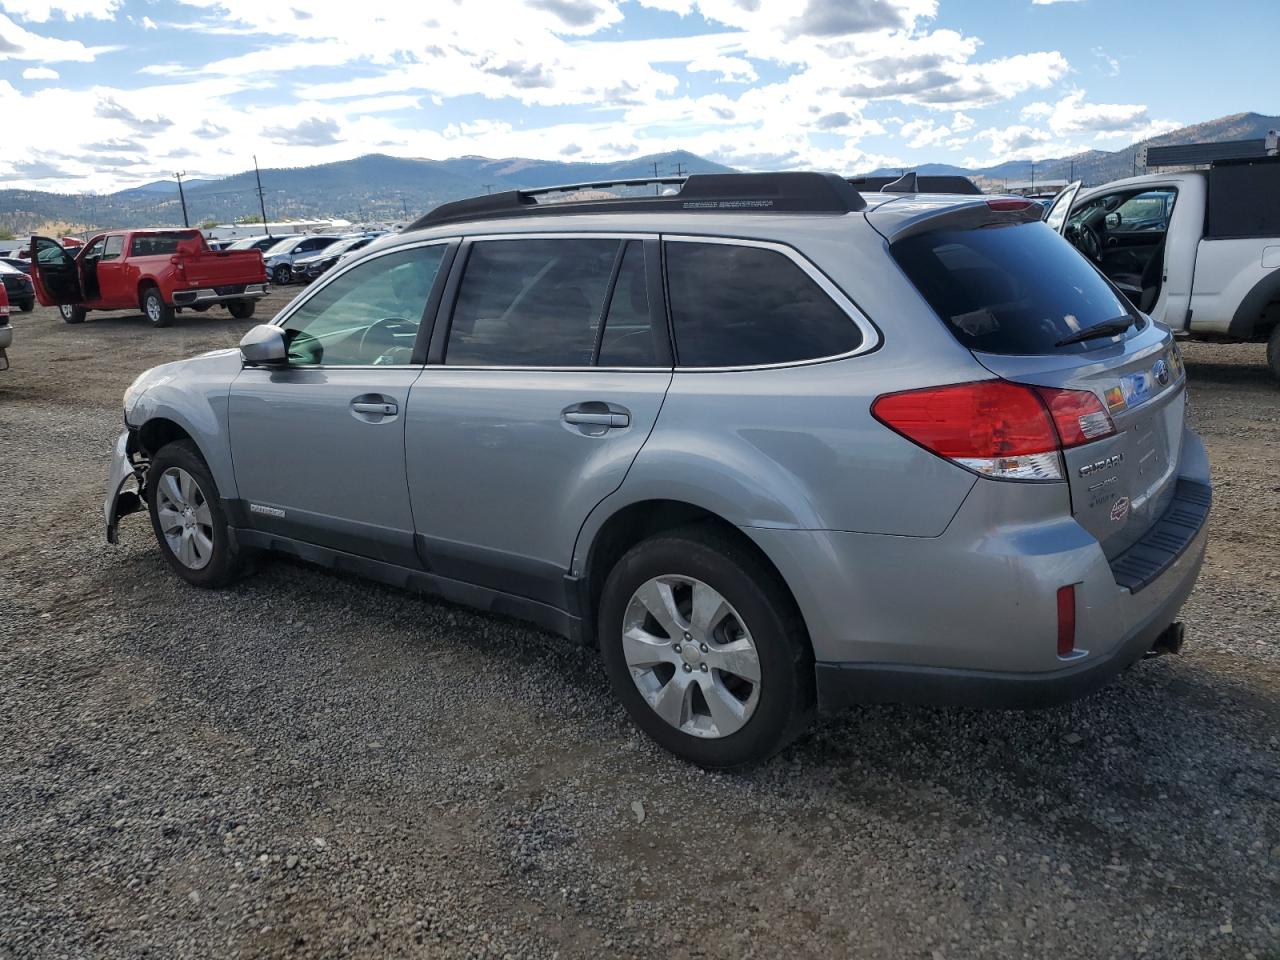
{"x":121,"y":502}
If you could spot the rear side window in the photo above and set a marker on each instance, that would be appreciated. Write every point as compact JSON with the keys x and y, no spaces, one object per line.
{"x":628,"y":337}
{"x":159,"y":244}
{"x":531,"y":303}
{"x":1011,"y":289}
{"x":1244,"y":200}
{"x":734,"y":305}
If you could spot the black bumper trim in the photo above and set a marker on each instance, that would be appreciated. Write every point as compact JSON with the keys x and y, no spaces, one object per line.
{"x":1167,"y":539}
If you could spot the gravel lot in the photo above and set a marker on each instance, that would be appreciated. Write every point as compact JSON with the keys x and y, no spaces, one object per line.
{"x":312,"y":766}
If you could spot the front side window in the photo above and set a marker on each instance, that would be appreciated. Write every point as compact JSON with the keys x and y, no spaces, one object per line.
{"x":534,"y":302}
{"x":1149,"y":211}
{"x":735,"y":305}
{"x":367,"y":316}
{"x":95,"y":249}
{"x":114,"y":247}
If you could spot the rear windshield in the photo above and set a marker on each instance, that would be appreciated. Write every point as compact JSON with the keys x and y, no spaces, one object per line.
{"x":159,"y":244}
{"x":1010,"y":289}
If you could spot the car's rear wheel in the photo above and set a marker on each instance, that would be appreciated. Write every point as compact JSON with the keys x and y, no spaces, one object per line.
{"x":159,"y":313}
{"x":187,"y":517}
{"x":71,"y":313}
{"x":282,"y":275}
{"x":26,"y":306}
{"x":1273,"y":352}
{"x":241,"y":309}
{"x":705,"y":649}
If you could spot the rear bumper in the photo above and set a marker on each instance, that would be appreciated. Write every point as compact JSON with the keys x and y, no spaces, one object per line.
{"x":6,"y":335}
{"x":845,"y":684}
{"x":238,"y":291}
{"x":970,"y":617}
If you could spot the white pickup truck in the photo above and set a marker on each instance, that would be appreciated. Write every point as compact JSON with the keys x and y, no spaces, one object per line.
{"x":1198,"y":251}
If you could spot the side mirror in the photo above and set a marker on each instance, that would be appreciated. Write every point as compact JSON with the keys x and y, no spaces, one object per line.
{"x":263,"y":346}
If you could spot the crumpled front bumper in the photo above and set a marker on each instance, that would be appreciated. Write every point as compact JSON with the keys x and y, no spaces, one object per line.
{"x":121,"y":502}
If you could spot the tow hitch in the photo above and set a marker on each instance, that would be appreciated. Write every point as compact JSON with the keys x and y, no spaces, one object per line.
{"x":1168,"y":642}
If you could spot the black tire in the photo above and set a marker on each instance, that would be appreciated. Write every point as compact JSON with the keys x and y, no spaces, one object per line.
{"x":72,"y":314}
{"x":227,"y":562}
{"x":1273,"y":352}
{"x":26,"y":306}
{"x":786,"y":694}
{"x":241,"y":309}
{"x":282,"y":275}
{"x":157,"y":312}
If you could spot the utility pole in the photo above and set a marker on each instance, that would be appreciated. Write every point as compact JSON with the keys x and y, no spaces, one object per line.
{"x":1135,"y":161}
{"x":657,"y":188}
{"x":1033,"y":176}
{"x":488,"y":188}
{"x":183,"y":197}
{"x":1072,"y":178}
{"x":404,"y":205}
{"x":262,"y":203}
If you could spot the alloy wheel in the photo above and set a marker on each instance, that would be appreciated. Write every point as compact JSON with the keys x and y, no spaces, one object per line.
{"x":185,"y":518}
{"x":691,"y":656}
{"x":153,"y":309}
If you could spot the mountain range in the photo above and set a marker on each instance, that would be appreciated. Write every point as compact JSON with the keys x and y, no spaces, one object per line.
{"x":383,"y":188}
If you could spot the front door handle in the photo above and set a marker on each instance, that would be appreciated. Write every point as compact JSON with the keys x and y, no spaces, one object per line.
{"x":378,"y":409}
{"x":598,"y":419}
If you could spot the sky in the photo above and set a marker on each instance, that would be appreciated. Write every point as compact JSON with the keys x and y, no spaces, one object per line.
{"x":96,"y":95}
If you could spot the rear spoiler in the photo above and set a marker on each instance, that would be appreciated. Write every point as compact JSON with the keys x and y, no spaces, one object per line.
{"x":911,"y":182}
{"x":910,"y":214}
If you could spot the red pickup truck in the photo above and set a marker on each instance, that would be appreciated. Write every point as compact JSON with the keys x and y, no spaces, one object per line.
{"x":157,"y":271}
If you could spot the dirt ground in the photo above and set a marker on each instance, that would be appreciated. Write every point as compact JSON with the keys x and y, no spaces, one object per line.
{"x":310,"y":765}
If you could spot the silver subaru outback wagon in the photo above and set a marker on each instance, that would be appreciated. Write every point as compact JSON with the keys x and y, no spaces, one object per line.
{"x":774,"y":446}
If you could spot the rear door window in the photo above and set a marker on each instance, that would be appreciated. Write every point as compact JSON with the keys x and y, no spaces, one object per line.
{"x":531,"y":303}
{"x":1010,"y":289}
{"x":740,"y":305}
{"x":628,"y":339}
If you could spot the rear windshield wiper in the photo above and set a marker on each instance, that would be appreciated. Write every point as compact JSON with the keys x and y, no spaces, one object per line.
{"x":1108,"y":328}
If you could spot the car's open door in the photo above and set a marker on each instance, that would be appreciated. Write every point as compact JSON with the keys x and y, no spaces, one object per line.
{"x":1056,"y":215}
{"x":55,"y":273}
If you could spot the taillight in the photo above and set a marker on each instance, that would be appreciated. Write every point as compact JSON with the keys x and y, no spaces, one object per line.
{"x":1009,"y":203}
{"x":999,"y":429}
{"x":1078,"y":414}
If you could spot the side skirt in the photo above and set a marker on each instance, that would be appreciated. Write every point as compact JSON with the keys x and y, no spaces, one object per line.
{"x":469,"y":595}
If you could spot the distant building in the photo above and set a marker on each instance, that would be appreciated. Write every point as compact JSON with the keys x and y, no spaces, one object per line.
{"x":234,"y":231}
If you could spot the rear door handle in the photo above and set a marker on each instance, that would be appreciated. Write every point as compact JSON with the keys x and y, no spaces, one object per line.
{"x":379,"y":409}
{"x":598,"y":419}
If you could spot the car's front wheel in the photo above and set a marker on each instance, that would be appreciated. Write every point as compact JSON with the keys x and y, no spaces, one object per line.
{"x":188,"y":519}
{"x":705,"y":649}
{"x":71,"y":313}
{"x":282,"y":275}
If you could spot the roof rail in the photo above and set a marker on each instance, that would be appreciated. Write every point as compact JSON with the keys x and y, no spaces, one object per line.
{"x":790,"y":192}
{"x":1193,"y":154}
{"x":924,"y":183}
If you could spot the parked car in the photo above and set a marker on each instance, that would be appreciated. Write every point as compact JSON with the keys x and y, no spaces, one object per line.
{"x":18,"y":287}
{"x":253,"y":243}
{"x":1199,"y":251}
{"x":158,"y":271}
{"x":6,"y":330}
{"x":18,"y":264}
{"x":773,"y":445}
{"x":281,"y":256}
{"x":307,"y":269}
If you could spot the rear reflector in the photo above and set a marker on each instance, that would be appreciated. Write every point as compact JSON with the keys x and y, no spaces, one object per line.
{"x":999,"y":429}
{"x":1066,"y":620}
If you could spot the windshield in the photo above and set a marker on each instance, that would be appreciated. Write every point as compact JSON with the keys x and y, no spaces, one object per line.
{"x":1012,"y":289}
{"x":244,"y":243}
{"x":283,"y":246}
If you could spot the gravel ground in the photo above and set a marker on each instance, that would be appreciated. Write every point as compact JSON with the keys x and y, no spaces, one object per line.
{"x":314,"y":766}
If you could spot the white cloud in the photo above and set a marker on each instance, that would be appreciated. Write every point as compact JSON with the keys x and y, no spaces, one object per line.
{"x":42,"y":11}
{"x":39,"y":73}
{"x":18,"y":43}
